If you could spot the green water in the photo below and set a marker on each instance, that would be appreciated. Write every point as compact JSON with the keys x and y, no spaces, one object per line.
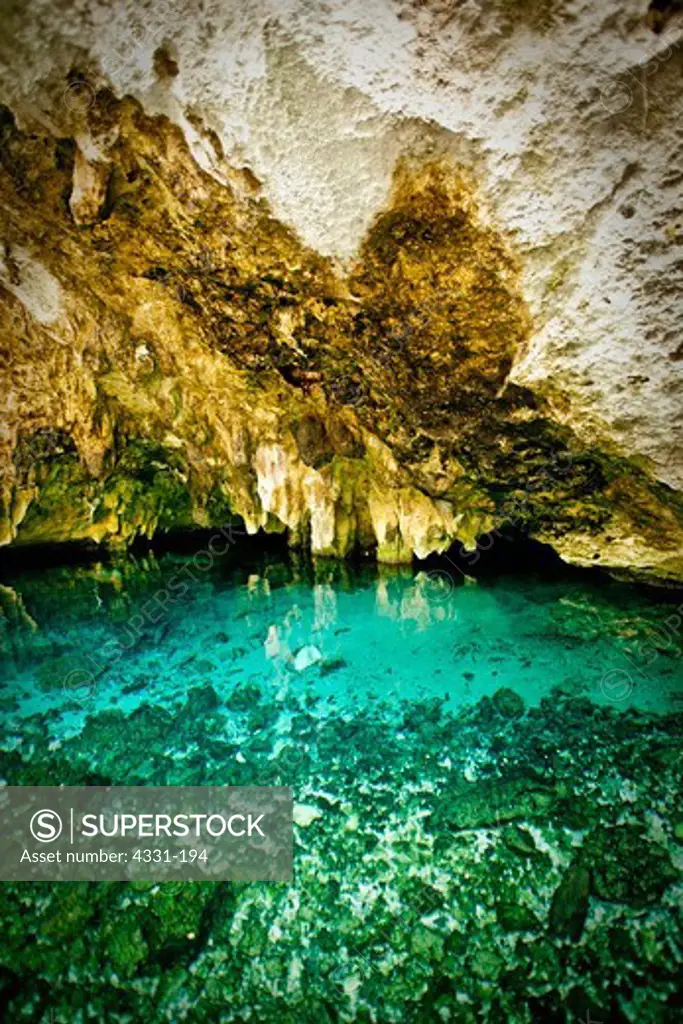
{"x":488,"y":775}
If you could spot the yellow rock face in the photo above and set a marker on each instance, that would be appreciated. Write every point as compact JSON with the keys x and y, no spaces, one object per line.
{"x":173,"y":356}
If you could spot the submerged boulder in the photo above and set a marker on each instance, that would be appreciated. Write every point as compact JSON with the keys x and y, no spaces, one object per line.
{"x":305,"y":657}
{"x":508,"y":703}
{"x":515,"y":917}
{"x":490,"y":802}
{"x":306,"y":814}
{"x":569,"y":906}
{"x":627,"y":867}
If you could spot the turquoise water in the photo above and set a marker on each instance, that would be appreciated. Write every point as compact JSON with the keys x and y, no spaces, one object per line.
{"x":478,"y":766}
{"x":105,"y":641}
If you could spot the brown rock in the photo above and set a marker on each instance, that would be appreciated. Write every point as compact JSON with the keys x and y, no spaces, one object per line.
{"x":312,"y":441}
{"x":88,"y":190}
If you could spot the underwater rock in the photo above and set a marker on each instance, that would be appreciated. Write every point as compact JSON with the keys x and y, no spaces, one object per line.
{"x":306,"y":814}
{"x":508,"y":703}
{"x":626,"y":867}
{"x":305,"y":657}
{"x":329,"y":665}
{"x":442,"y":915}
{"x":201,"y":699}
{"x":514,"y":917}
{"x":520,"y":840}
{"x":569,"y":905}
{"x":491,"y":802}
{"x":244,"y":697}
{"x":64,"y":670}
{"x":487,"y":964}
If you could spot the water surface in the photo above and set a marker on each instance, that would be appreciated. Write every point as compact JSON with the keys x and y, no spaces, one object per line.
{"x":487,"y":775}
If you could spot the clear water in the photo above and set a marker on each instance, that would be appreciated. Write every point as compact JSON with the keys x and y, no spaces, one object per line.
{"x":382,"y":681}
{"x":105,"y":640}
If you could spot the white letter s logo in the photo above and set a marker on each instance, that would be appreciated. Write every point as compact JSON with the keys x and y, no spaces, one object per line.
{"x":46,"y":826}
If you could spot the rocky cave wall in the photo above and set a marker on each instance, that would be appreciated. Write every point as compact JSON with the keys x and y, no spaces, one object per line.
{"x":384,"y":275}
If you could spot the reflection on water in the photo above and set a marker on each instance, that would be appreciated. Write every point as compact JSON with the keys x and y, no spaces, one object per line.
{"x":486,"y":774}
{"x":96,"y":636}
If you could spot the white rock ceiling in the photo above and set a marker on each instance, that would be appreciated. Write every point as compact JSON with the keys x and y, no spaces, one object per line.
{"x":569,"y":116}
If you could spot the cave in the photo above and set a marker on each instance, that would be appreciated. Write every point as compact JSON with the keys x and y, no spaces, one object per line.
{"x":341,"y":490}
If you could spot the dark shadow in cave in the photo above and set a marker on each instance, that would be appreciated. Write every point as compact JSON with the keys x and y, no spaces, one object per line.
{"x":503,"y":552}
{"x":227,"y":542}
{"x":660,"y":11}
{"x":507,"y":551}
{"x":47,"y":556}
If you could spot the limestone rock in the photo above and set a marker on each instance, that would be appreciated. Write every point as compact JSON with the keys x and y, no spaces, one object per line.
{"x":89,"y":189}
{"x":626,"y":867}
{"x":305,"y":814}
{"x":305,"y":657}
{"x":570,"y":903}
{"x":387,"y":295}
{"x":492,"y":802}
{"x":513,"y":917}
{"x":508,"y":703}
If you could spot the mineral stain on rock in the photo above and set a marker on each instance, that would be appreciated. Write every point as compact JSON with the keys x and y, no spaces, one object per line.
{"x":371,"y":411}
{"x":388,"y":283}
